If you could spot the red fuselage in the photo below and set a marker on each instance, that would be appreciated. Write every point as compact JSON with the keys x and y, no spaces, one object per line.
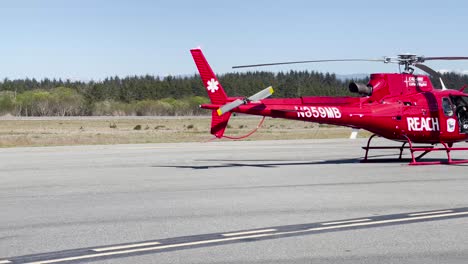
{"x":401,"y":106}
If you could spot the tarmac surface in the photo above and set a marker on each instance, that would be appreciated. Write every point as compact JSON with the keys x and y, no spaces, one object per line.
{"x":299,"y":201}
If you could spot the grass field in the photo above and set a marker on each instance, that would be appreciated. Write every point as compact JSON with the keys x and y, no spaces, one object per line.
{"x":16,"y":132}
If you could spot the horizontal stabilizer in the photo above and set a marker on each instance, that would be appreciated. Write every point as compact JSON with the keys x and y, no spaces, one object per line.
{"x":238,"y":102}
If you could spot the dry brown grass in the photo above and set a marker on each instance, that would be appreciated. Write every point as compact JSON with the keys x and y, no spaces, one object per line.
{"x":109,"y":130}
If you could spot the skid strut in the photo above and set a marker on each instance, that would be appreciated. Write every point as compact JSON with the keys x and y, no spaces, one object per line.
{"x":414,"y":149}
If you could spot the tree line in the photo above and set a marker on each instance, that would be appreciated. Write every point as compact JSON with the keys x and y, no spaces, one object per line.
{"x":151,"y":95}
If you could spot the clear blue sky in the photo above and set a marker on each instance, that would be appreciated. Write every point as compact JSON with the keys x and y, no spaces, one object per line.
{"x":92,"y":39}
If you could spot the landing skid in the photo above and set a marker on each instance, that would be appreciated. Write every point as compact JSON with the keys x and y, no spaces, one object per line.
{"x":414,"y":149}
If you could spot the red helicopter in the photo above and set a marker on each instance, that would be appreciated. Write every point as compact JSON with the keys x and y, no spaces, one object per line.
{"x":403,"y":107}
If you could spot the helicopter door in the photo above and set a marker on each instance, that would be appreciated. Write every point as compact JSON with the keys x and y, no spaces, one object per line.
{"x":460,"y":104}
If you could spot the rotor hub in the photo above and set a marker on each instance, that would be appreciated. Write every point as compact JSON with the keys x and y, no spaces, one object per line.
{"x":408,"y":60}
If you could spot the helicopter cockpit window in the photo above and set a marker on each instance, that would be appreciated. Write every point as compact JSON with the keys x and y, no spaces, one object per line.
{"x":447,"y":106}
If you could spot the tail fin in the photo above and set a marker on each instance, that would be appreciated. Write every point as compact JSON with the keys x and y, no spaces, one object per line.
{"x":215,"y":92}
{"x":213,"y":87}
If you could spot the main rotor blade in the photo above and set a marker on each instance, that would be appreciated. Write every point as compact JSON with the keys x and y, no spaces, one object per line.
{"x":431,"y":72}
{"x":428,"y":70}
{"x":445,"y":58}
{"x":298,"y":62}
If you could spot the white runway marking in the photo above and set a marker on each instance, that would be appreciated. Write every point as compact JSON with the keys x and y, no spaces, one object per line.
{"x":145,"y":249}
{"x":249,"y":232}
{"x":388,"y":221}
{"x":212,"y":241}
{"x":347,"y":222}
{"x":429,"y":213}
{"x":4,"y":261}
{"x":126,"y":246}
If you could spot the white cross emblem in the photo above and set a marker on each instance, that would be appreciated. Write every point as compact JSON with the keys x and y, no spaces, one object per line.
{"x":406,"y":81}
{"x":213,"y":85}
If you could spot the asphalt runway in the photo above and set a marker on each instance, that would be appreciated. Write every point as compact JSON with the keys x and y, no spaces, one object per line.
{"x":304,"y":201}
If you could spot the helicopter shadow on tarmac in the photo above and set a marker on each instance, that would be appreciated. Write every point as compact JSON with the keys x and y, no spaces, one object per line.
{"x":223,"y":163}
